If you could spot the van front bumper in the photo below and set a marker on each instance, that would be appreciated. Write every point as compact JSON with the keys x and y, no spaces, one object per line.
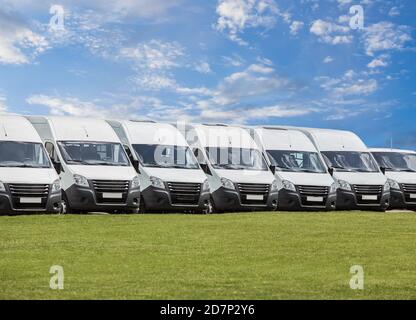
{"x":347,"y":200}
{"x":292,"y":201}
{"x":231,"y":200}
{"x":53,"y":205}
{"x":159,"y":200}
{"x":398,"y":201}
{"x":85,"y":199}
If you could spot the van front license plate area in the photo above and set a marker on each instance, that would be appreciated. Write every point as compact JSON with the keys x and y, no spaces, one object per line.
{"x":369,"y":197}
{"x":30,"y":200}
{"x":315,"y":199}
{"x":254,"y":197}
{"x":413,"y":196}
{"x":108,"y":195}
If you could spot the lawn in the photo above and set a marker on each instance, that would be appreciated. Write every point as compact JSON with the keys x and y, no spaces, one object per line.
{"x":232,"y":256}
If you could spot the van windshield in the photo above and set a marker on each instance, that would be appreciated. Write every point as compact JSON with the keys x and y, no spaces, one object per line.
{"x":165,"y":156}
{"x":23,"y":155}
{"x":236,"y":159}
{"x":396,"y":161}
{"x":296,"y":161}
{"x":93,"y":153}
{"x":350,"y":161}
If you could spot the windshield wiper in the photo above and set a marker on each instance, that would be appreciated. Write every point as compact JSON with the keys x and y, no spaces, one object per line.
{"x":406,"y":170}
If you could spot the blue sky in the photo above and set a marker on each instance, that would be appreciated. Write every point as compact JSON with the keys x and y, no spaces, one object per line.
{"x":231,"y":61}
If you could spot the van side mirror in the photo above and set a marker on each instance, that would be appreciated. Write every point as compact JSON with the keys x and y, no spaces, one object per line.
{"x":383,"y":170}
{"x":205,"y":168}
{"x":57,"y":165}
{"x":273,"y":169}
{"x":331,"y":171}
{"x":136,"y":165}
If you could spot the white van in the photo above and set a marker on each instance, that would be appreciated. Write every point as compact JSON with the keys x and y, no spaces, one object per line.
{"x":400,"y":169}
{"x":96,"y":173}
{"x":238,"y":175}
{"x":304,"y":181}
{"x":361,"y":184}
{"x":170,"y":176}
{"x":28,"y":181}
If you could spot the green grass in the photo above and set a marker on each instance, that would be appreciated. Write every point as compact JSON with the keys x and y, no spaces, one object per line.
{"x":233,"y":256}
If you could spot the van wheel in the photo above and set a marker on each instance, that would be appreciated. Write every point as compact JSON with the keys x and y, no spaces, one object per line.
{"x":209,"y":209}
{"x":142,"y":206}
{"x":64,"y":207}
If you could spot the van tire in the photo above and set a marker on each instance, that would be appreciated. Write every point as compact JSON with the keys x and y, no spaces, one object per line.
{"x":210,"y":209}
{"x":65,"y":203}
{"x":142,"y":206}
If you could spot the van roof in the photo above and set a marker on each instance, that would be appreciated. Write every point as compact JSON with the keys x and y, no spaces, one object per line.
{"x":224,"y":136}
{"x":392,"y":150}
{"x":335,"y":140}
{"x":17,"y":128}
{"x":144,"y":132}
{"x":82,"y":129}
{"x":275,"y":138}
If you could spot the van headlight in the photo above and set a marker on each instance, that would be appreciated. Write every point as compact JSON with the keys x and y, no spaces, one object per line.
{"x":81,"y":180}
{"x":2,"y":187}
{"x":344,"y":185}
{"x":157,"y":182}
{"x":275,"y":186}
{"x":205,"y":186}
{"x":227,"y":183}
{"x":333,"y":188}
{"x":56,"y":186}
{"x":393,"y":184}
{"x":387,"y":186}
{"x":135,"y":182}
{"x":288,"y":185}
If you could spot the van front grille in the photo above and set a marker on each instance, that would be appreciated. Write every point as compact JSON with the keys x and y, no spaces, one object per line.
{"x":368,"y":190}
{"x":111,"y":191}
{"x":29,"y":196}
{"x":409,"y":192}
{"x":184,"y":193}
{"x":307,"y":193}
{"x":253,"y":193}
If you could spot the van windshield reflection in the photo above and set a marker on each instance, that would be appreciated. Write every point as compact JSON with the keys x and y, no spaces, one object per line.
{"x":236,"y":158}
{"x":350,"y":161}
{"x":296,"y":161}
{"x":17,"y":154}
{"x":93,"y":153}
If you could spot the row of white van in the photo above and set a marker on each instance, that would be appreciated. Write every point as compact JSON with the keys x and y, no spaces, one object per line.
{"x":63,"y":164}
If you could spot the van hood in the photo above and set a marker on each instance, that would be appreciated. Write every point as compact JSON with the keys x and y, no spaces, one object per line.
{"x":402,"y":177}
{"x":247,"y":176}
{"x":176,"y":175}
{"x":307,"y":179}
{"x":28,"y":175}
{"x":104,"y":172}
{"x":371,"y":178}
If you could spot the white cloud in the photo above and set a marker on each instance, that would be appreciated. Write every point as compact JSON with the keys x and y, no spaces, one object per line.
{"x":237,"y":15}
{"x":330,"y":32}
{"x":155,"y":54}
{"x":394,"y":11}
{"x":3,"y":106}
{"x":234,"y":60}
{"x":203,"y":67}
{"x":350,"y":84}
{"x":328,"y":59}
{"x":384,"y":36}
{"x":18,"y":44}
{"x":378,"y":62}
{"x":295,"y":27}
